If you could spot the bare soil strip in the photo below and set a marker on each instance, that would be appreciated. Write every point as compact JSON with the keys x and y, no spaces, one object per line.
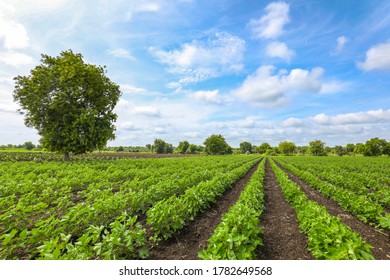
{"x":282,"y":239}
{"x":186,"y":244}
{"x":379,"y":239}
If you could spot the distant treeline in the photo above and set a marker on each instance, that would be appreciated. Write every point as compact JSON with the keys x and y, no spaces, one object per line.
{"x":216,"y":144}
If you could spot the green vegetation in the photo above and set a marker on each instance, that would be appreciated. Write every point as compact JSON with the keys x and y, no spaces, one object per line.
{"x":328,"y":238}
{"x":69,"y":102}
{"x":238,"y":234}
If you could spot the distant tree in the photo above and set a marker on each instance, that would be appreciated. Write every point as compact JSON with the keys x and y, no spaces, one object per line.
{"x":262,"y":149}
{"x":375,"y":147}
{"x":359,"y":149}
{"x":317,"y":148}
{"x":149,"y":147}
{"x":192,"y":149}
{"x":386,"y":149}
{"x":159,"y":146}
{"x":183,"y":147}
{"x":350,"y":148}
{"x":339,"y":150}
{"x":245,"y":147}
{"x":286,"y":148}
{"x":70,"y":103}
{"x":162,"y":147}
{"x":119,"y":149}
{"x":216,"y":145}
{"x":302,"y":150}
{"x":168,"y":148}
{"x":29,"y":145}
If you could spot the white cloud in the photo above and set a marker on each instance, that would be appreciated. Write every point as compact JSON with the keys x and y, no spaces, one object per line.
{"x":197,"y":61}
{"x":270,"y":26}
{"x":373,"y":116}
{"x":279,"y":49}
{"x":13,"y":35}
{"x":331,"y":87}
{"x":208,"y":96}
{"x":22,"y":7}
{"x":15,"y":59}
{"x":141,"y":7}
{"x":8,"y":107}
{"x":121,"y":53}
{"x":149,"y":111}
{"x":293,"y":122}
{"x":303,"y":80}
{"x":341,"y":41}
{"x":128,"y":126}
{"x":377,"y":58}
{"x":262,"y":88}
{"x":160,"y":130}
{"x":265,"y":89}
{"x":128,"y":88}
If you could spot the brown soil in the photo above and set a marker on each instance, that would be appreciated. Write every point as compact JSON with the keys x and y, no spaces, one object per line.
{"x":186,"y":244}
{"x":379,"y":239}
{"x":282,"y":239}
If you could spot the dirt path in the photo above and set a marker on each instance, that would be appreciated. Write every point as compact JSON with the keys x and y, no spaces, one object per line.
{"x":186,"y":244}
{"x":380,"y":240}
{"x":282,"y":239}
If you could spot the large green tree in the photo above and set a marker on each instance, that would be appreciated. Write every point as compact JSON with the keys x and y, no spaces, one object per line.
{"x":375,"y":147}
{"x":183,"y":146}
{"x":263,"y":148}
{"x":216,"y":145}
{"x":317,"y":148}
{"x":246,"y":147}
{"x":286,"y":148}
{"x":69,"y":102}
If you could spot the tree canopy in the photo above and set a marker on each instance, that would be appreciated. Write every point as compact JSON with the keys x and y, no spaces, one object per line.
{"x":286,"y":148}
{"x":69,"y":102}
{"x":317,"y":148}
{"x":246,"y":147}
{"x":216,"y":145}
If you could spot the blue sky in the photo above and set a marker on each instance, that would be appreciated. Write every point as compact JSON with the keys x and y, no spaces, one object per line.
{"x":257,"y":71}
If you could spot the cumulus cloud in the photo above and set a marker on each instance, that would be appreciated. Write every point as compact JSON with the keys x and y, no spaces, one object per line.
{"x":293,"y":122}
{"x":373,"y":116}
{"x":208,"y":96}
{"x":121,"y":53}
{"x":15,"y":59}
{"x":331,"y":87}
{"x":128,"y":88}
{"x":270,"y":25}
{"x":341,"y":41}
{"x":197,"y":61}
{"x":377,"y":58}
{"x":141,"y":6}
{"x":148,"y":111}
{"x":13,"y":35}
{"x":265,"y":89}
{"x":128,"y":126}
{"x":280,"y":50}
{"x":262,"y":88}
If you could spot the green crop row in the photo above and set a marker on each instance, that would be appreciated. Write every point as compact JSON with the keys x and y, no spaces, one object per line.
{"x":238,"y":234}
{"x":328,"y":237}
{"x":172,"y":214}
{"x":59,"y":203}
{"x":361,"y":206}
{"x":345,"y":174}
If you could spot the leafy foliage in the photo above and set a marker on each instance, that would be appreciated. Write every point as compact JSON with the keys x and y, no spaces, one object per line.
{"x":216,"y":145}
{"x":328,"y":238}
{"x":238,"y":234}
{"x":69,"y":102}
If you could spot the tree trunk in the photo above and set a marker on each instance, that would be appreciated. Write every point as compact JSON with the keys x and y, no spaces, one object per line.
{"x":66,"y":156}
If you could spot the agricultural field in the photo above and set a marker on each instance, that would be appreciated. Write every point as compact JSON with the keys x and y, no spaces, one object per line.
{"x":200,"y":207}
